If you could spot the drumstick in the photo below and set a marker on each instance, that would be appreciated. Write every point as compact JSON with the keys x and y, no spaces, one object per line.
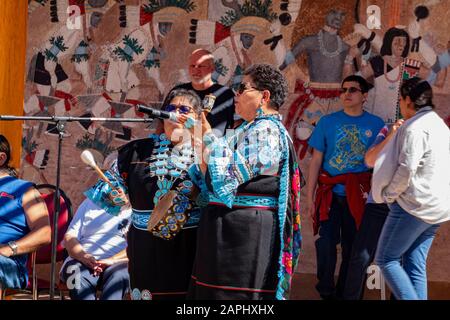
{"x":88,"y":159}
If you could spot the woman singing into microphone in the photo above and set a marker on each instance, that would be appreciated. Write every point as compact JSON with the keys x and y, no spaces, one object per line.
{"x":160,"y":263}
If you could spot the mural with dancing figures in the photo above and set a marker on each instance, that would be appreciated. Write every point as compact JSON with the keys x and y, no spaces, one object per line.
{"x":102,"y":57}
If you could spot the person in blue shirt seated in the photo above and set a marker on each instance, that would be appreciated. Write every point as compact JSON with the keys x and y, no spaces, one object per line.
{"x":24,"y":223}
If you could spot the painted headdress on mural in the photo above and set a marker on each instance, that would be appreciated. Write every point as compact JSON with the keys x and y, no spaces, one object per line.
{"x":230,"y":37}
{"x":160,"y":16}
{"x":158,"y":9}
{"x":236,"y":20}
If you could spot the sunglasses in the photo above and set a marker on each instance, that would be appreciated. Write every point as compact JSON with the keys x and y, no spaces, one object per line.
{"x":243,"y":87}
{"x":181,"y":109}
{"x":350,"y":90}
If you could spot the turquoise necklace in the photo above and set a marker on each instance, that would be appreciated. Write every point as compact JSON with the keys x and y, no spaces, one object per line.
{"x":169,"y":164}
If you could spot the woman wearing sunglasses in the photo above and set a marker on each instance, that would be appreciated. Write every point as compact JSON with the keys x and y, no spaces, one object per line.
{"x":160,"y":262}
{"x":249,"y":234}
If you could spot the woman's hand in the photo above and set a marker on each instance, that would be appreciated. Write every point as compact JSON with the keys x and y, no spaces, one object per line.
{"x":205,"y":124}
{"x":118,"y":198}
{"x":395,"y":127}
{"x":182,"y":118}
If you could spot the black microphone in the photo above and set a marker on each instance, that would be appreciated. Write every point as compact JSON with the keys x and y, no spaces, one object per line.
{"x":154,"y":113}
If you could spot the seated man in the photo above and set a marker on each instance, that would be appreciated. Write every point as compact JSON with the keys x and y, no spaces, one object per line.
{"x":96,"y":243}
{"x":24,"y":223}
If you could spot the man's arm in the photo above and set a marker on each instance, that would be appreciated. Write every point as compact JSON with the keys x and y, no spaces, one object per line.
{"x":36,"y":214}
{"x":311,"y":184}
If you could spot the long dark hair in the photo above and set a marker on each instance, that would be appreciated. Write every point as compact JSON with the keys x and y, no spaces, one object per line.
{"x":5,"y":148}
{"x":386,"y":48}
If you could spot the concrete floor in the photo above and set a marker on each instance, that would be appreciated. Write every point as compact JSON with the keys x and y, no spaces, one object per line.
{"x":303,"y":289}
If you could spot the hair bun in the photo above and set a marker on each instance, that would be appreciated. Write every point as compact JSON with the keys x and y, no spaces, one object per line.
{"x":420,"y":92}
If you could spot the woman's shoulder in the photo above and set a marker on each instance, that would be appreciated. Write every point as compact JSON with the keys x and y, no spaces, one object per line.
{"x":16,"y":186}
{"x":266,"y":123}
{"x":18,"y":183}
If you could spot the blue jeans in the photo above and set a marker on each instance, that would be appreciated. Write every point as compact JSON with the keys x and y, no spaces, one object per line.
{"x":114,"y":282}
{"x":339,"y":228}
{"x":405,"y":239}
{"x":12,"y":274}
{"x":364,"y":248}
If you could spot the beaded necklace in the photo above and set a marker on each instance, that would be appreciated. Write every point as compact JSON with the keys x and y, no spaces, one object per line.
{"x":393,"y":82}
{"x":168,"y":165}
{"x":324,"y":50}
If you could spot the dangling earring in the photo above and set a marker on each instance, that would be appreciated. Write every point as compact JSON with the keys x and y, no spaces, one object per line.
{"x":259,"y":111}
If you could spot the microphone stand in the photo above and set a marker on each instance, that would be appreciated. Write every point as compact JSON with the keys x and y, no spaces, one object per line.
{"x":61,"y":126}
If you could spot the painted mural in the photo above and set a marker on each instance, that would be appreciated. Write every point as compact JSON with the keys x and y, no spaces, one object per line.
{"x":102,"y":57}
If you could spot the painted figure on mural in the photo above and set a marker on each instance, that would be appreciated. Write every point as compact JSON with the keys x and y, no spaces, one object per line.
{"x":386,"y":70}
{"x":324,"y":48}
{"x":438,"y":72}
{"x":48,"y":81}
{"x":230,"y":33}
{"x":51,"y":83}
{"x":158,"y":20}
{"x":326,"y":52}
{"x":402,"y":55}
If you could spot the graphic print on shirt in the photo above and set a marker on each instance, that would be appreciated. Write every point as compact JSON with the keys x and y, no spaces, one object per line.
{"x":123,"y":227}
{"x":350,"y":147}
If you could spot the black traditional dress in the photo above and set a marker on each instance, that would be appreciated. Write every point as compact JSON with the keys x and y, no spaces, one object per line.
{"x":147,"y":169}
{"x":249,"y":234}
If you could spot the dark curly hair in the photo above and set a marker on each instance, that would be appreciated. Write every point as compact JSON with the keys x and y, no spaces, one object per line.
{"x":267,"y":77}
{"x":419,"y":91}
{"x":5,"y":148}
{"x":386,"y":48}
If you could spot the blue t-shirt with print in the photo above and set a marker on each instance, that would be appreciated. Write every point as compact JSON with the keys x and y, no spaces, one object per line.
{"x":344,"y":140}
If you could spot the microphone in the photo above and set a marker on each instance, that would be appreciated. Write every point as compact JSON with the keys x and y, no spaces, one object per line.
{"x":154,"y":113}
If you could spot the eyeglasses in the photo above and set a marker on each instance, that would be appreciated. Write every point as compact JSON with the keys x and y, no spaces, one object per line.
{"x":350,"y":90}
{"x":243,"y":87}
{"x":181,"y":108}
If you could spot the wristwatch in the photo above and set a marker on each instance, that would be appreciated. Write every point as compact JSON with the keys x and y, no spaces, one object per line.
{"x":13,"y":245}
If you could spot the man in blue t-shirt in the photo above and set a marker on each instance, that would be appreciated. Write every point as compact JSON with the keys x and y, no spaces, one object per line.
{"x":340,"y":141}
